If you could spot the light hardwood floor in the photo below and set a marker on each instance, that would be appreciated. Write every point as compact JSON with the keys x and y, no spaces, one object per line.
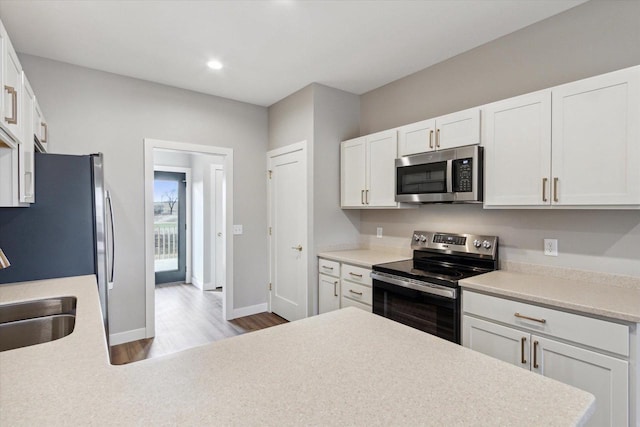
{"x":187,"y":317}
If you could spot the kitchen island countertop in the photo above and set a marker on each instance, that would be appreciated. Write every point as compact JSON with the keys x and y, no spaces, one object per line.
{"x":344,"y":367}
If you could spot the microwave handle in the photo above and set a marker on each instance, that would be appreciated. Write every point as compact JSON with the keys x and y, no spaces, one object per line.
{"x":449,"y":176}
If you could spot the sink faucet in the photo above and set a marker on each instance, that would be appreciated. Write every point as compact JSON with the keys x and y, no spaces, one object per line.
{"x":4,"y":262}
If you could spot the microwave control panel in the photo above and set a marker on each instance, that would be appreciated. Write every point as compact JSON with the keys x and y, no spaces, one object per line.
{"x":463,"y":175}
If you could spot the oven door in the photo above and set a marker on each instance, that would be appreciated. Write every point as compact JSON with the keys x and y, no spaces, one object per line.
{"x":425,"y":177}
{"x":430,"y":308}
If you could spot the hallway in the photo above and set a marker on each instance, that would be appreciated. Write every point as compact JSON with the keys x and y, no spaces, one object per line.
{"x":188,"y":317}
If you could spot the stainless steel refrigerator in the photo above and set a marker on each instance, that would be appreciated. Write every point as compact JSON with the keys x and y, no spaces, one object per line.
{"x":68,"y":231}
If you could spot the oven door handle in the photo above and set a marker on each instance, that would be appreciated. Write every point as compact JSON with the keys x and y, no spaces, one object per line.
{"x":425,"y":287}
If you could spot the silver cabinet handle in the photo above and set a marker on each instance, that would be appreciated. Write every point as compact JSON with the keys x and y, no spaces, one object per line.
{"x":431,"y":138}
{"x":355,"y":275}
{"x":522,"y":359}
{"x":544,"y":189}
{"x":535,"y":355}
{"x":555,"y":189}
{"x":328,"y":268}
{"x":335,"y":288}
{"x":438,"y":138}
{"x":362,"y":197}
{"x":521,"y":316}
{"x":366,"y":196}
{"x":28,"y":184}
{"x":13,"y":119}
{"x":45,"y":128}
{"x":297,"y":248}
{"x":354,"y":292}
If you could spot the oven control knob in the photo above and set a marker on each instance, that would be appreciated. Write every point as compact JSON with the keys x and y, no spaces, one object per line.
{"x":423,"y":238}
{"x":477,"y":243}
{"x":486,"y":244}
{"x":416,"y":237}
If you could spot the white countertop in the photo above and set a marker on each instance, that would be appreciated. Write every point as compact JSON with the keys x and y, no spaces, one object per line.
{"x":363,"y":257}
{"x":347,"y":367}
{"x":615,"y":302}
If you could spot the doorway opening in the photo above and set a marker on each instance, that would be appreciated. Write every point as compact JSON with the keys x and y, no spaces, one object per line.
{"x":188,"y":216}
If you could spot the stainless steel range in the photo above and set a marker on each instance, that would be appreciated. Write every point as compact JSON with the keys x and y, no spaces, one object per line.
{"x":423,"y":292}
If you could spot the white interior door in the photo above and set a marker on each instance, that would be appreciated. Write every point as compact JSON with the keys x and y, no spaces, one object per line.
{"x":288,"y":224}
{"x":218,"y":209}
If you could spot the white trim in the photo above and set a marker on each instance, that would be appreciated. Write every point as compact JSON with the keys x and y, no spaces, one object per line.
{"x":249,"y":310}
{"x":298,"y":146}
{"x":195,"y":282}
{"x":227,"y":154}
{"x":187,"y":172}
{"x":127,"y":336}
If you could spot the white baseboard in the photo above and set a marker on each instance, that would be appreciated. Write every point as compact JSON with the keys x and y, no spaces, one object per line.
{"x":195,"y":282}
{"x":249,"y":310}
{"x":127,"y":336}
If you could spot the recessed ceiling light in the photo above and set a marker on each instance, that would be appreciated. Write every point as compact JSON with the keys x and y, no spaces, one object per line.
{"x":214,"y":64}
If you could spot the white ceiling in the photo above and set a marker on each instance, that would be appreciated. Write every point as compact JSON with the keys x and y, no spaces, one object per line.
{"x":270,"y":49}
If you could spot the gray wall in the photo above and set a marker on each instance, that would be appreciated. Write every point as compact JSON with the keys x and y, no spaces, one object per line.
{"x":90,"y":111}
{"x":324,"y":117}
{"x":591,"y":39}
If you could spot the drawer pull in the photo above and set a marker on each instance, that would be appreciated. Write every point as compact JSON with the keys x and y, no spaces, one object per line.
{"x":530,"y":318}
{"x":335,"y":288}
{"x":355,"y":275}
{"x":328,"y":268}
{"x":535,"y":354}
{"x":522,"y":341}
{"x":355,"y":292}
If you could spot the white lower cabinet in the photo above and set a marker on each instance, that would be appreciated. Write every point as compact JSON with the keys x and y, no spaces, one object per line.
{"x":343,"y":285}
{"x":328,"y":293}
{"x":523,"y":345}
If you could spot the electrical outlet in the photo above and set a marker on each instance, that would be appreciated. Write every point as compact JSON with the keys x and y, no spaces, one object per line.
{"x":551,"y":247}
{"x":379,"y":232}
{"x":237,"y":229}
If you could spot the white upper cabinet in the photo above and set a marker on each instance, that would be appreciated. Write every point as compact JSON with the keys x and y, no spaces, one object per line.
{"x":453,"y":130}
{"x":575,"y":145}
{"x":26,"y":148}
{"x":417,"y":138}
{"x":596,"y":140}
{"x":517,"y":141}
{"x":381,"y":169}
{"x":12,"y":122}
{"x":367,"y":166}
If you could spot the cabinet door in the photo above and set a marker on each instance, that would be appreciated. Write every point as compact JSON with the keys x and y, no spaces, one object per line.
{"x":517,"y":137}
{"x":596,"y":140}
{"x":328,"y":293}
{"x":501,"y":342}
{"x":12,"y":87}
{"x":352,"y":173}
{"x":458,"y":129}
{"x":25,"y":162}
{"x":416,"y":138}
{"x":603,"y":376}
{"x":382,"y":148}
{"x":40,"y":128}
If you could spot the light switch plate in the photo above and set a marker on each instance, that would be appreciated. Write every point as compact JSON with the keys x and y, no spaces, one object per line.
{"x":237,"y":229}
{"x":551,"y":247}
{"x":379,"y":232}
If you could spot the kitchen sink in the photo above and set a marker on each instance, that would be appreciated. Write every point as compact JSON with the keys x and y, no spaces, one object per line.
{"x":35,"y":322}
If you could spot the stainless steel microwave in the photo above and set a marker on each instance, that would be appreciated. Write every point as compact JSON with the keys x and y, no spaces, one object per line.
{"x":447,"y":176}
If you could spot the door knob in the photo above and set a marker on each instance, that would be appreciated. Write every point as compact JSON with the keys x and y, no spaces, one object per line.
{"x":297,"y":248}
{"x":219,"y":234}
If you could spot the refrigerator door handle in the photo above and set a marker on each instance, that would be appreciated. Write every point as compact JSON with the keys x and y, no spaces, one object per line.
{"x":113,"y":242}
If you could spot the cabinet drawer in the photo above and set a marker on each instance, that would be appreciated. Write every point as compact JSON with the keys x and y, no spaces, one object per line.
{"x":331,"y":268}
{"x":351,"y":303}
{"x":356,"y":274}
{"x":596,"y":333}
{"x":357,"y":292}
